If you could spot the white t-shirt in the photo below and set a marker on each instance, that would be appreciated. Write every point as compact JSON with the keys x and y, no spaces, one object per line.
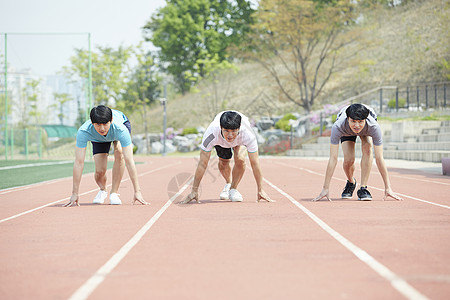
{"x":213,"y":136}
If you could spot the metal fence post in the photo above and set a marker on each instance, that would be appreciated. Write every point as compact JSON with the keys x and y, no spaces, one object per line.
{"x":26,"y":143}
{"x":426,"y":96}
{"x":321,"y":124}
{"x":407,"y":97}
{"x":418,"y":100}
{"x":435,"y":97}
{"x":40,"y":143}
{"x":12,"y":143}
{"x":445,"y":95}
{"x":396,"y":99}
{"x":381,"y":100}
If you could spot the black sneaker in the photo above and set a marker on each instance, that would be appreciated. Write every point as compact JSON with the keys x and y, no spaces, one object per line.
{"x":348,"y":190}
{"x":364,"y":194}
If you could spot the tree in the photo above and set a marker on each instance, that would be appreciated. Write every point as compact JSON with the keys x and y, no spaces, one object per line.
{"x":31,"y":92}
{"x":217,"y":82}
{"x":299,"y":43}
{"x":142,"y":88}
{"x":61,"y":98}
{"x":109,"y":72}
{"x":187,"y":31}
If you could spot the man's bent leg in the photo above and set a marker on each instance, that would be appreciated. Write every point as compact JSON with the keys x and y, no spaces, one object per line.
{"x":118,"y":167}
{"x":239,"y":166}
{"x":101,"y":161}
{"x":225,"y":169}
{"x":348,"y":148}
{"x":366,"y":159}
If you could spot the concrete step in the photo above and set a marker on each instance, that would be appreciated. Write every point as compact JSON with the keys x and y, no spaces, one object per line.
{"x":323,"y":140}
{"x":445,"y":129}
{"x":441,"y":137}
{"x":436,"y":146}
{"x":429,"y":156}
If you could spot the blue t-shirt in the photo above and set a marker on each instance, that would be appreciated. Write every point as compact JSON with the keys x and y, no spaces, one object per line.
{"x":117,"y":132}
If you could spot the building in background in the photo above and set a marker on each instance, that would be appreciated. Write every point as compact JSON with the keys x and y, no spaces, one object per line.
{"x":48,"y":104}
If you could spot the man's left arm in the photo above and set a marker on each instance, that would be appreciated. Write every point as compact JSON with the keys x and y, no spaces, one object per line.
{"x":378,"y":150}
{"x":257,"y":173}
{"x":132,"y":172}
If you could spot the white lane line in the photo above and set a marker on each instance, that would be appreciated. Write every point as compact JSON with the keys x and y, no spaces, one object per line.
{"x":28,"y":186}
{"x":82,"y":194}
{"x":100,"y":275}
{"x":344,"y":180}
{"x":418,"y":179}
{"x":37,"y":165}
{"x":396,"y":281}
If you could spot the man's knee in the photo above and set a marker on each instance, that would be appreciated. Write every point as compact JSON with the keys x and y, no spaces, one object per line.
{"x":240,"y":162}
{"x":348,"y":162}
{"x":100,"y":172}
{"x":366,"y":149}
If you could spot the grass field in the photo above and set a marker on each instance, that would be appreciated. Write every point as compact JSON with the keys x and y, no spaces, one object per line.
{"x":22,"y":172}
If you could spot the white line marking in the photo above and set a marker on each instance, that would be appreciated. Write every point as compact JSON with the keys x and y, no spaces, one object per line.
{"x":85,"y":193}
{"x":27,"y":186}
{"x":397,"y":282}
{"x":418,"y":179}
{"x":344,"y":180}
{"x":36,"y":165}
{"x":100,"y":275}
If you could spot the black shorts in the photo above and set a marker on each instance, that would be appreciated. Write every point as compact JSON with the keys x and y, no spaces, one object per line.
{"x":224,"y":153}
{"x":348,"y":138}
{"x":104,"y":147}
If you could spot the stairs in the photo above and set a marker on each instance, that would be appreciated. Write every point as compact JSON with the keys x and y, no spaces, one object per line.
{"x":427,"y":141}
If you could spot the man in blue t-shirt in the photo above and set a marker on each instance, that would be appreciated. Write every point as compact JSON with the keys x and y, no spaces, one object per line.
{"x":353,"y":121}
{"x":105,"y":126}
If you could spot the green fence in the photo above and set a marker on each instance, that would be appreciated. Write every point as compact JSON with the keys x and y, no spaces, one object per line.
{"x":37,"y":142}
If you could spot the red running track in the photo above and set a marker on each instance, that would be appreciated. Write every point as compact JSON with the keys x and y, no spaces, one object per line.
{"x":290,"y":249}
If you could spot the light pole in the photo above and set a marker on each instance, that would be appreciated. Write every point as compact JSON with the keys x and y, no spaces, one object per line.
{"x":163,"y":102}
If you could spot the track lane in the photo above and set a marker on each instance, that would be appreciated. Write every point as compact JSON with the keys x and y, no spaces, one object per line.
{"x":227,"y":250}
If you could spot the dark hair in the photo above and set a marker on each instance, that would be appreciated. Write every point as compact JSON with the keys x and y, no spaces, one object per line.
{"x":230,"y":120}
{"x":357,"y":112}
{"x":101,"y":114}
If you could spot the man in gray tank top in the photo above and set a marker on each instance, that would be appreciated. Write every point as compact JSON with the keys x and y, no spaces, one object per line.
{"x":353,"y":121}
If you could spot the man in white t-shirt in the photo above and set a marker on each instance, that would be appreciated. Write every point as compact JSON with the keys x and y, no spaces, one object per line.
{"x":227,"y":133}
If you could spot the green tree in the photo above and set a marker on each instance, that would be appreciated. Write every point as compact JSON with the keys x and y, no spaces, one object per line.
{"x":60,"y":99}
{"x":31,"y":91}
{"x":216,"y":81}
{"x":187,"y":31}
{"x":110,"y":68}
{"x":300,"y":44}
{"x":143,"y":88}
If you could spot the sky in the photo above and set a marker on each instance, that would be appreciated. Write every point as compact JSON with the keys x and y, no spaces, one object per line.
{"x":110,"y":22}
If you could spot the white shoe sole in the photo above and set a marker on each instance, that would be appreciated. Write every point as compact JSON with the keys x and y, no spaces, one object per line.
{"x":224,"y":196}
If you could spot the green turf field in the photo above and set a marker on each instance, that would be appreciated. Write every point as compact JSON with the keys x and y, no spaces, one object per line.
{"x":33,"y":171}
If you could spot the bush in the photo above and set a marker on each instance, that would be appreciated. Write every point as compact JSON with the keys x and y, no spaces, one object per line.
{"x":283,"y":123}
{"x":189,"y":130}
{"x":401,"y":103}
{"x":333,"y":118}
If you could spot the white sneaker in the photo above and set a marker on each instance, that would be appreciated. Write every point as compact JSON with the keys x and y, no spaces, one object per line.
{"x":235,"y":196}
{"x":100,"y":198}
{"x":224,"y":193}
{"x":114,"y":199}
